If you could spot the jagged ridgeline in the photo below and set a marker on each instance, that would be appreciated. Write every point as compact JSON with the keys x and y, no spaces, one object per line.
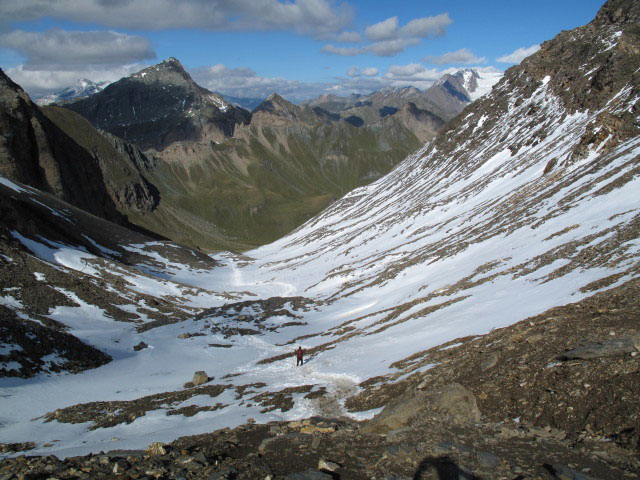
{"x":227,"y":178}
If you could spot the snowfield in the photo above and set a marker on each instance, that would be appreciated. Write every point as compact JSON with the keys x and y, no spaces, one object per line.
{"x":447,"y":245}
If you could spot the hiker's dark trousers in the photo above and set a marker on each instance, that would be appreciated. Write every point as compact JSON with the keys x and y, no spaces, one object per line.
{"x":299,"y":362}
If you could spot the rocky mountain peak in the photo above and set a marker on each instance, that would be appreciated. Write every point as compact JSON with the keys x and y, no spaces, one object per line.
{"x":618,"y":12}
{"x":277,"y":105}
{"x":169,"y":71}
{"x":165,"y":96}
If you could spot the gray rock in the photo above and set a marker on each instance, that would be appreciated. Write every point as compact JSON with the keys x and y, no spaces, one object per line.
{"x":487,"y":459}
{"x":265,"y":443}
{"x":308,"y":475}
{"x":200,"y":378}
{"x":489,"y":362}
{"x":328,"y":466}
{"x":565,"y":473}
{"x":227,"y":474}
{"x":604,"y":348}
{"x":453,"y":402}
{"x":140,"y":346}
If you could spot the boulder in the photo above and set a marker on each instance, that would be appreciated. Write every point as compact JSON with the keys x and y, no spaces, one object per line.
{"x":156,"y":448}
{"x":604,"y":348}
{"x":200,"y":378}
{"x":308,"y":475}
{"x":452,"y":402}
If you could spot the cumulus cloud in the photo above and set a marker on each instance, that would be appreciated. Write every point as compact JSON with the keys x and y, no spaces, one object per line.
{"x":349,"y":37}
{"x":245,"y":82}
{"x":427,"y":26}
{"x":463,"y":56}
{"x":383,"y":48}
{"x":518,"y":55}
{"x":343,"y":51}
{"x":367,"y":72}
{"x":306,"y":17}
{"x":414,"y":74}
{"x":62,"y":49}
{"x":389,"y":48}
{"x":388,"y":39}
{"x":403,"y":71}
{"x":385,"y":30}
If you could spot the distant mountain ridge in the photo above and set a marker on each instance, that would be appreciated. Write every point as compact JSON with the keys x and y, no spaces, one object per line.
{"x":447,"y":97}
{"x":83,"y":88}
{"x":161,"y":105}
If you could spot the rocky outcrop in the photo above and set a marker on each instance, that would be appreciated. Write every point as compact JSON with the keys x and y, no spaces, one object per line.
{"x":159,"y":106}
{"x":453,"y":403}
{"x":124,"y":166}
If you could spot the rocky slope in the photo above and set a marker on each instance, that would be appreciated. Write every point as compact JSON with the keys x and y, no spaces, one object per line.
{"x":37,"y":152}
{"x":159,"y":106}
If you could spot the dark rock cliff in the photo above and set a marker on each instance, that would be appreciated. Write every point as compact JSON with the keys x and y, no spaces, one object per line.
{"x":36,"y":152}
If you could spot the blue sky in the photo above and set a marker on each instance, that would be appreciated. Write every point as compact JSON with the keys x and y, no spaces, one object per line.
{"x":299,"y":48}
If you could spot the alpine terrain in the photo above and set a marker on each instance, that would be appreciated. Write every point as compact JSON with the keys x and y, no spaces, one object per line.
{"x":472,"y":314}
{"x":232,"y":179}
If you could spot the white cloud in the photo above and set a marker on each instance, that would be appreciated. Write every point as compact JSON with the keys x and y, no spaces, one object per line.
{"x":244,"y":82}
{"x":427,"y":26}
{"x":385,"y":30}
{"x":306,"y":17}
{"x":388,"y":48}
{"x":40,"y":82}
{"x":518,"y":55}
{"x":389,"y":40}
{"x":463,"y":56}
{"x":414,"y":74}
{"x":343,"y":51}
{"x":349,"y":37}
{"x":61,"y":49}
{"x":367,"y":72}
{"x":383,"y":48}
{"x":405,"y":70}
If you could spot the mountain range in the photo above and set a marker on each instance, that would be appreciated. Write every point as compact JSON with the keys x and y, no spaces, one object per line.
{"x":216,"y":176}
{"x":471,"y":314}
{"x":83,"y":88}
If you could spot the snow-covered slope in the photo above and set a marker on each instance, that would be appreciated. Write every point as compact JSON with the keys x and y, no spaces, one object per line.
{"x":527,"y":201}
{"x":83,"y":88}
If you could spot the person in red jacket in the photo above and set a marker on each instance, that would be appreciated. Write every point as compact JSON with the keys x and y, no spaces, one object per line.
{"x":299,"y":353}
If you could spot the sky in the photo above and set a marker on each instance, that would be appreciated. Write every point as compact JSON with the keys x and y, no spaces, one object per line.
{"x":298,"y":48}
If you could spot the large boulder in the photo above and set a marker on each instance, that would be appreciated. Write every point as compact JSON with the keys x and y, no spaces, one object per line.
{"x":452,"y":402}
{"x":200,"y":378}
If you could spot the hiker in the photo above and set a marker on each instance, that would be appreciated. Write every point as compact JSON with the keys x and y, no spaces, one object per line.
{"x":299,"y":353}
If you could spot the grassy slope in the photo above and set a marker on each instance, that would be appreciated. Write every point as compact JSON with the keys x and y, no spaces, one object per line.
{"x":288,"y":174}
{"x":289,"y":179}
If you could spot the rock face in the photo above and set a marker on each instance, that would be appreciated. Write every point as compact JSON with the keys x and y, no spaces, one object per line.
{"x":159,"y":106}
{"x":453,"y":403}
{"x":124,"y":166}
{"x":36,"y":152}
